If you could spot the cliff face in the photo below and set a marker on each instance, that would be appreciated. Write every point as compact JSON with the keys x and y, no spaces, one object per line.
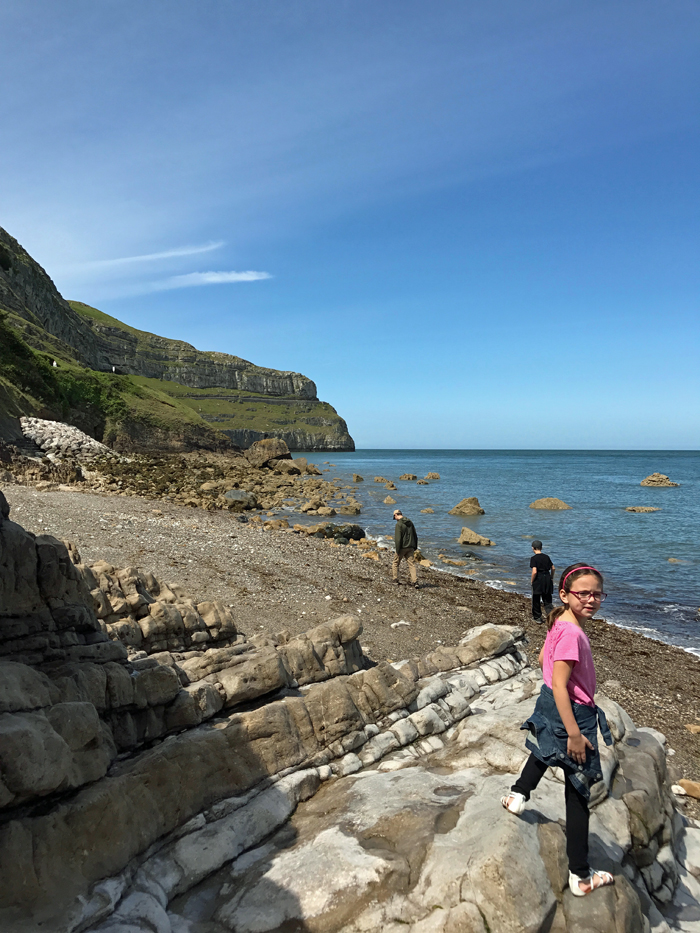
{"x":142,"y":354}
{"x":152,"y":368}
{"x":27,"y":292}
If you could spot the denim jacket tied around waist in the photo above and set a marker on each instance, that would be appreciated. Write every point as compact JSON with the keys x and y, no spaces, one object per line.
{"x":547,"y":739}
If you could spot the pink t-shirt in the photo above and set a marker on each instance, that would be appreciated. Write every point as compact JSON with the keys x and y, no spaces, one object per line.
{"x":567,"y":642}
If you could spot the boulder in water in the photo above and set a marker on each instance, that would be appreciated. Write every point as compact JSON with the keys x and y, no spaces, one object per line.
{"x":471,"y":537}
{"x":549,"y":503}
{"x":657,"y":479}
{"x":469,"y":506}
{"x":641,"y":508}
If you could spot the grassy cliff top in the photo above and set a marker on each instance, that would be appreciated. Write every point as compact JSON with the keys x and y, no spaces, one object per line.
{"x":145,"y":339}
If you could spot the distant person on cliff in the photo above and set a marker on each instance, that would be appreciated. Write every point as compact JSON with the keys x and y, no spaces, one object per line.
{"x":542,"y":580}
{"x":406,"y":542}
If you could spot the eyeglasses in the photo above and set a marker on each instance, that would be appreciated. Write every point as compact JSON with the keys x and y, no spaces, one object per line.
{"x":585,"y":595}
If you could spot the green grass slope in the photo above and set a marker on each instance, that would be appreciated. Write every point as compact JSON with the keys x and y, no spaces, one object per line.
{"x":305,"y":424}
{"x":115,"y":409}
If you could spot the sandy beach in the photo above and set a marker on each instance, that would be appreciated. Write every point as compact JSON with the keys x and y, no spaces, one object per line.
{"x":279,"y":580}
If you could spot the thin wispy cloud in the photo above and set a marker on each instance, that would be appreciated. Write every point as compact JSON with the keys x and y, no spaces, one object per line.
{"x":195,"y":279}
{"x":153,"y":257}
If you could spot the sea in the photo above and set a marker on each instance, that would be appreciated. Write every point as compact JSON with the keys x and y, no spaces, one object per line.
{"x":650,"y":560}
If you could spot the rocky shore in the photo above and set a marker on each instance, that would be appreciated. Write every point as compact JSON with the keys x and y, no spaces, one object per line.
{"x":185,"y":748}
{"x":276,"y":579}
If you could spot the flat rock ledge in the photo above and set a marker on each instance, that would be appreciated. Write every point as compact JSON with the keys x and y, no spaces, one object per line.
{"x":212,"y":787}
{"x":641,"y":508}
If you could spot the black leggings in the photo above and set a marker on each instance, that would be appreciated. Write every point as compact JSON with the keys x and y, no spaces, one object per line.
{"x":546,"y":600}
{"x":577,"y":814}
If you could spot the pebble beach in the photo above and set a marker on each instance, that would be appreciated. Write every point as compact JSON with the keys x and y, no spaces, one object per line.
{"x":277,"y":580}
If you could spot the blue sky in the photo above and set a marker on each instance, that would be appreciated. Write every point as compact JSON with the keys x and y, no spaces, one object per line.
{"x":472,"y":224}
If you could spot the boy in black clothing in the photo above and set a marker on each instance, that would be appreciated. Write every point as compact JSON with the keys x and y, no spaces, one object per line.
{"x":542,"y":580}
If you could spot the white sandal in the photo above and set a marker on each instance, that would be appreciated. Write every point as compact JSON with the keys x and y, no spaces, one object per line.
{"x":517,"y":802}
{"x":604,"y":879}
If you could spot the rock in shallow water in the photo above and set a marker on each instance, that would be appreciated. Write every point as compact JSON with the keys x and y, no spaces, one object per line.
{"x":657,"y":479}
{"x":550,"y":503}
{"x":467,"y":536}
{"x":469,"y":506}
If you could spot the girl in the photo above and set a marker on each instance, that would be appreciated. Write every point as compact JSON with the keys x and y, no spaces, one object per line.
{"x":564,"y":725}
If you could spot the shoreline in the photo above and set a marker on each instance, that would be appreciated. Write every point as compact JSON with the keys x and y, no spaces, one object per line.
{"x":281,"y":580}
{"x":649,"y":560}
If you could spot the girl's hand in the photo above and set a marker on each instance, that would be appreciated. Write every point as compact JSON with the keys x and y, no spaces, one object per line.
{"x":576,"y":748}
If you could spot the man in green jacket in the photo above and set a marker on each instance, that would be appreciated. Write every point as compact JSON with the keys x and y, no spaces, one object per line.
{"x":406,"y":542}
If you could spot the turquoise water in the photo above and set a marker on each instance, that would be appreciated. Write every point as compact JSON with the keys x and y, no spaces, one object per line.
{"x":647,"y":591}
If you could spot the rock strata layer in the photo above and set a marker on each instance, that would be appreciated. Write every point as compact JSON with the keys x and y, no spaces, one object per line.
{"x":261,"y":784}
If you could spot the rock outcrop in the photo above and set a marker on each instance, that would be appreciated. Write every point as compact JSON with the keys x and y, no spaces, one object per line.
{"x":469,"y":506}
{"x":641,"y":508}
{"x":467,"y":536}
{"x":658,"y":479}
{"x":262,"y":452}
{"x":281,"y":783}
{"x":550,"y":503}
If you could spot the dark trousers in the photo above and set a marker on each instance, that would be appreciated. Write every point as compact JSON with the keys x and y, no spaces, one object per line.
{"x":546,"y":599}
{"x":577,"y":814}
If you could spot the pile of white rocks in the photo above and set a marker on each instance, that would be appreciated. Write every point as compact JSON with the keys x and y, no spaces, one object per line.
{"x":61,"y":441}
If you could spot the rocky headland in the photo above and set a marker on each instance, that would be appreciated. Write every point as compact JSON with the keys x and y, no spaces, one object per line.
{"x":137,"y":391}
{"x":211,"y":724}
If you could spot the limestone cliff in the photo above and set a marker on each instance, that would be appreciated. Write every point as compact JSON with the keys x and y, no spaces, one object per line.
{"x":76,"y":333}
{"x":142,"y":354}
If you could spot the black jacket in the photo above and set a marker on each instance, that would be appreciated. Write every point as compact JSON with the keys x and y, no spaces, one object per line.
{"x":405,"y":535}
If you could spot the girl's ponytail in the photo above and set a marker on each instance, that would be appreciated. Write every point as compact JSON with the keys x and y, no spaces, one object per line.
{"x":569,"y":575}
{"x":554,"y":615}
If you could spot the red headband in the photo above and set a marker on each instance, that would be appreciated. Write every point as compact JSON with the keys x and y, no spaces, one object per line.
{"x":574,"y":571}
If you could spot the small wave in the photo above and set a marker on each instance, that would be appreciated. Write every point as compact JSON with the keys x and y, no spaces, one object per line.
{"x":497,"y":585}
